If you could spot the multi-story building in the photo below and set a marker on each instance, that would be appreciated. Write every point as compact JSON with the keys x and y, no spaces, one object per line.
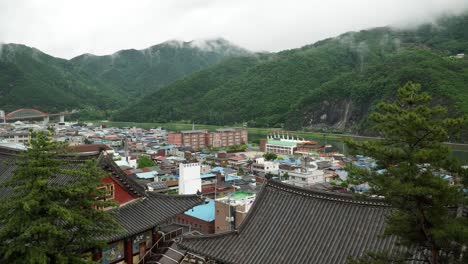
{"x":174,"y":139}
{"x":306,"y":175}
{"x":231,"y":210}
{"x":190,"y":138}
{"x":16,"y":137}
{"x":194,"y":138}
{"x":227,"y":137}
{"x":281,"y":144}
{"x":198,"y":139}
{"x":262,"y":167}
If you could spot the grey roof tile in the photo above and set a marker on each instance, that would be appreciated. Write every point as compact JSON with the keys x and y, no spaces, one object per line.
{"x":288,"y":224}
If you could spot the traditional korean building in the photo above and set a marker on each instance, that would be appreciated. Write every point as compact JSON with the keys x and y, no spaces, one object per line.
{"x":289,"y":224}
{"x":145,"y":217}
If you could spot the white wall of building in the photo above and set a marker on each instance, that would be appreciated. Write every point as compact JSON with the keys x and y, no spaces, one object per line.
{"x":189,"y":178}
{"x":302,"y":178}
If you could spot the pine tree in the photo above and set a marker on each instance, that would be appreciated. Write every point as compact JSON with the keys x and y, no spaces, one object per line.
{"x":411,"y":157}
{"x":51,"y":216}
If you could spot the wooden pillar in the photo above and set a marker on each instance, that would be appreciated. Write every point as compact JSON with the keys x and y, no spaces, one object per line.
{"x":155,"y":236}
{"x":128,"y":251}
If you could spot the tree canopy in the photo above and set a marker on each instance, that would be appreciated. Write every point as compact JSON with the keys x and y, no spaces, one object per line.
{"x":412,"y":164}
{"x":52,"y":213}
{"x":144,"y":161}
{"x":270,"y":156}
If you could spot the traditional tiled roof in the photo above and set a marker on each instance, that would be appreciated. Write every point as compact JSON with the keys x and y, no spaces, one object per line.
{"x":90,"y":148}
{"x":135,"y":217}
{"x":151,"y":211}
{"x":7,"y":168}
{"x":120,"y":177}
{"x":289,"y":224}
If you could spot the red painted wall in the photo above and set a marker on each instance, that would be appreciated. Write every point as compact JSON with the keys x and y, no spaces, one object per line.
{"x":120,"y":194}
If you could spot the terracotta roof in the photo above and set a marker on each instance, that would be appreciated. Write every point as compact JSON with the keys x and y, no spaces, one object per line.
{"x":289,"y":224}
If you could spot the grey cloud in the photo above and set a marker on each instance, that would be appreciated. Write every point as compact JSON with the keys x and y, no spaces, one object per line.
{"x":70,"y":28}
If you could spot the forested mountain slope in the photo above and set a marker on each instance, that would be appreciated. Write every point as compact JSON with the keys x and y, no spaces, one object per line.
{"x":137,"y":72}
{"x":31,"y":78}
{"x":330,"y":84}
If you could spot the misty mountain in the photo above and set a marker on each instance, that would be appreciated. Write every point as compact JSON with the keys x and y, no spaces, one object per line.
{"x":97,"y":85}
{"x":31,"y":78}
{"x":138,"y":72}
{"x":331,"y":84}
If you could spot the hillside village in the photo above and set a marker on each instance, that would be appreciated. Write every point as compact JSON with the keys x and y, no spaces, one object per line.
{"x":335,"y":133}
{"x":218,"y":167}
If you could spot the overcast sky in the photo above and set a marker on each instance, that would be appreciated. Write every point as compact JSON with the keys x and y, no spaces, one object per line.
{"x":67,"y":28}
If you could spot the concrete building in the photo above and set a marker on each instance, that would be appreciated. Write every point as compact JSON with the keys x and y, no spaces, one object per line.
{"x":192,"y":138}
{"x":282,"y":144}
{"x":232,"y":210}
{"x":263,"y":167}
{"x":200,"y":218}
{"x":15,"y":137}
{"x":189,"y":178}
{"x":305,"y":176}
{"x":199,"y":139}
{"x":227,"y":137}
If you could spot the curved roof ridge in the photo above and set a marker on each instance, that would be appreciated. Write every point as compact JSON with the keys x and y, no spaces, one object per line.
{"x":208,"y":236}
{"x":337,"y":197}
{"x":178,"y":196}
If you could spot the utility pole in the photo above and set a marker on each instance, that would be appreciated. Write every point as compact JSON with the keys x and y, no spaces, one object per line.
{"x":216,"y":186}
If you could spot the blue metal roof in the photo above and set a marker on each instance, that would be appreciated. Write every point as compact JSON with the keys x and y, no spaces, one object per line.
{"x":232,"y":178}
{"x":218,"y":169}
{"x":207,"y":175}
{"x":205,"y":212}
{"x":147,"y":175}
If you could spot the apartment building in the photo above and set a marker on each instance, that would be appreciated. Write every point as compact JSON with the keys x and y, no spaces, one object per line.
{"x":199,"y":139}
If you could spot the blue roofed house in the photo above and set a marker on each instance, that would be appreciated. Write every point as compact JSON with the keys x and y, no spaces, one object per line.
{"x":200,"y":218}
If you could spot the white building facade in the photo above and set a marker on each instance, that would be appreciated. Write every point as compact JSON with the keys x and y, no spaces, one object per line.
{"x":189,"y":178}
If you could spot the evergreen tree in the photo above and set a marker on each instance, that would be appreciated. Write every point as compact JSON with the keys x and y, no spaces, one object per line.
{"x":412,"y":157}
{"x":51,"y":215}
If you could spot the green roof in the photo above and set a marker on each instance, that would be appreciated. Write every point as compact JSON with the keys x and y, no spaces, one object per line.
{"x":282,"y":143}
{"x":240,"y":195}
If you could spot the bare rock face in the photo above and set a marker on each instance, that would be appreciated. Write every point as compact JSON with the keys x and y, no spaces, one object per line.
{"x":333,"y":114}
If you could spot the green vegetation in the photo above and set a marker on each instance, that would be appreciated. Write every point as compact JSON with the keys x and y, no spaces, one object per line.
{"x":136,"y":73}
{"x":97,"y":85}
{"x":270,"y":156}
{"x":237,"y":147}
{"x":413,"y":161}
{"x":144,"y":161}
{"x":330,"y":85}
{"x":30,"y":78}
{"x":47,"y":220}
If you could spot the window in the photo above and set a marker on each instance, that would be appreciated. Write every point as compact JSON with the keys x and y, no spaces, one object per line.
{"x":303,"y":179}
{"x":109,"y":191}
